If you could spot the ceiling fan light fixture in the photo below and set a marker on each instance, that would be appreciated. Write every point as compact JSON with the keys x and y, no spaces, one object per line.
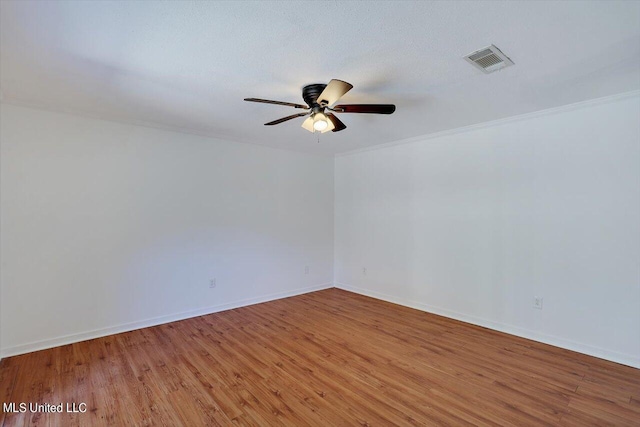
{"x":320,"y":97}
{"x":320,"y":122}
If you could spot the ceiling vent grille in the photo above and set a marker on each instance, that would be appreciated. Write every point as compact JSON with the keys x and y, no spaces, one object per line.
{"x":489,"y":59}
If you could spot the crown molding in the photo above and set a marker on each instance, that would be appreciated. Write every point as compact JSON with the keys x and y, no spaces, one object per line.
{"x":499,"y":122}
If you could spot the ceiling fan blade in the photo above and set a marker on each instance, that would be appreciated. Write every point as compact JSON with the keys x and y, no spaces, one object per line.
{"x":337,"y":123}
{"x":334,"y":91}
{"x":268,"y":101}
{"x":365,"y":108}
{"x":284,"y":119}
{"x":308,"y":124}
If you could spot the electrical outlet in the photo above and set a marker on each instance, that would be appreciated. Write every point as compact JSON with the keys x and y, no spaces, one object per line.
{"x":212,"y":283}
{"x":364,"y":271}
{"x":306,"y":269}
{"x":537,"y":303}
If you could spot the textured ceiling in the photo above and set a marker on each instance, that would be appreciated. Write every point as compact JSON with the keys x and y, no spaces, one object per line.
{"x":188,"y":65}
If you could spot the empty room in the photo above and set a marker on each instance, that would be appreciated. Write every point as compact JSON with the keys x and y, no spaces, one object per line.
{"x":319,"y":213}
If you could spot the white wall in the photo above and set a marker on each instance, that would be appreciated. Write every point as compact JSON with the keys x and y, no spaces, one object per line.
{"x":107,"y":227}
{"x":474,"y":224}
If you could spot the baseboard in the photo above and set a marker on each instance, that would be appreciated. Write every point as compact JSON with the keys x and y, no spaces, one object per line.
{"x":127,"y":327}
{"x":622,"y":358}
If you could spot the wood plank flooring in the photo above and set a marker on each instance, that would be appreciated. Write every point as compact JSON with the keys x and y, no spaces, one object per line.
{"x":321,"y":359}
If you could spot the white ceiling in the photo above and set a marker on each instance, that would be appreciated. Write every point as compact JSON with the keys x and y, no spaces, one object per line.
{"x":188,"y":65}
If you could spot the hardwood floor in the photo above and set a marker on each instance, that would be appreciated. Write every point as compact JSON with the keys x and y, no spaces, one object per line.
{"x":325,"y":358}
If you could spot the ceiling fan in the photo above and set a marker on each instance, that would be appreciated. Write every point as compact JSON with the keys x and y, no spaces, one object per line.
{"x":319,"y":99}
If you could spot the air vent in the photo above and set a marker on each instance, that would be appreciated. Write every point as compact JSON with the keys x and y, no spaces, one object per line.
{"x":489,"y":59}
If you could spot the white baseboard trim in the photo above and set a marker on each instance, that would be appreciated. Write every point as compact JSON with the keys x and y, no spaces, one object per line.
{"x":127,"y":327}
{"x":622,"y":358}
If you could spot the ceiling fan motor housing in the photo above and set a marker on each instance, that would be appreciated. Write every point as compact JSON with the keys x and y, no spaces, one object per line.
{"x":310,"y":94}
